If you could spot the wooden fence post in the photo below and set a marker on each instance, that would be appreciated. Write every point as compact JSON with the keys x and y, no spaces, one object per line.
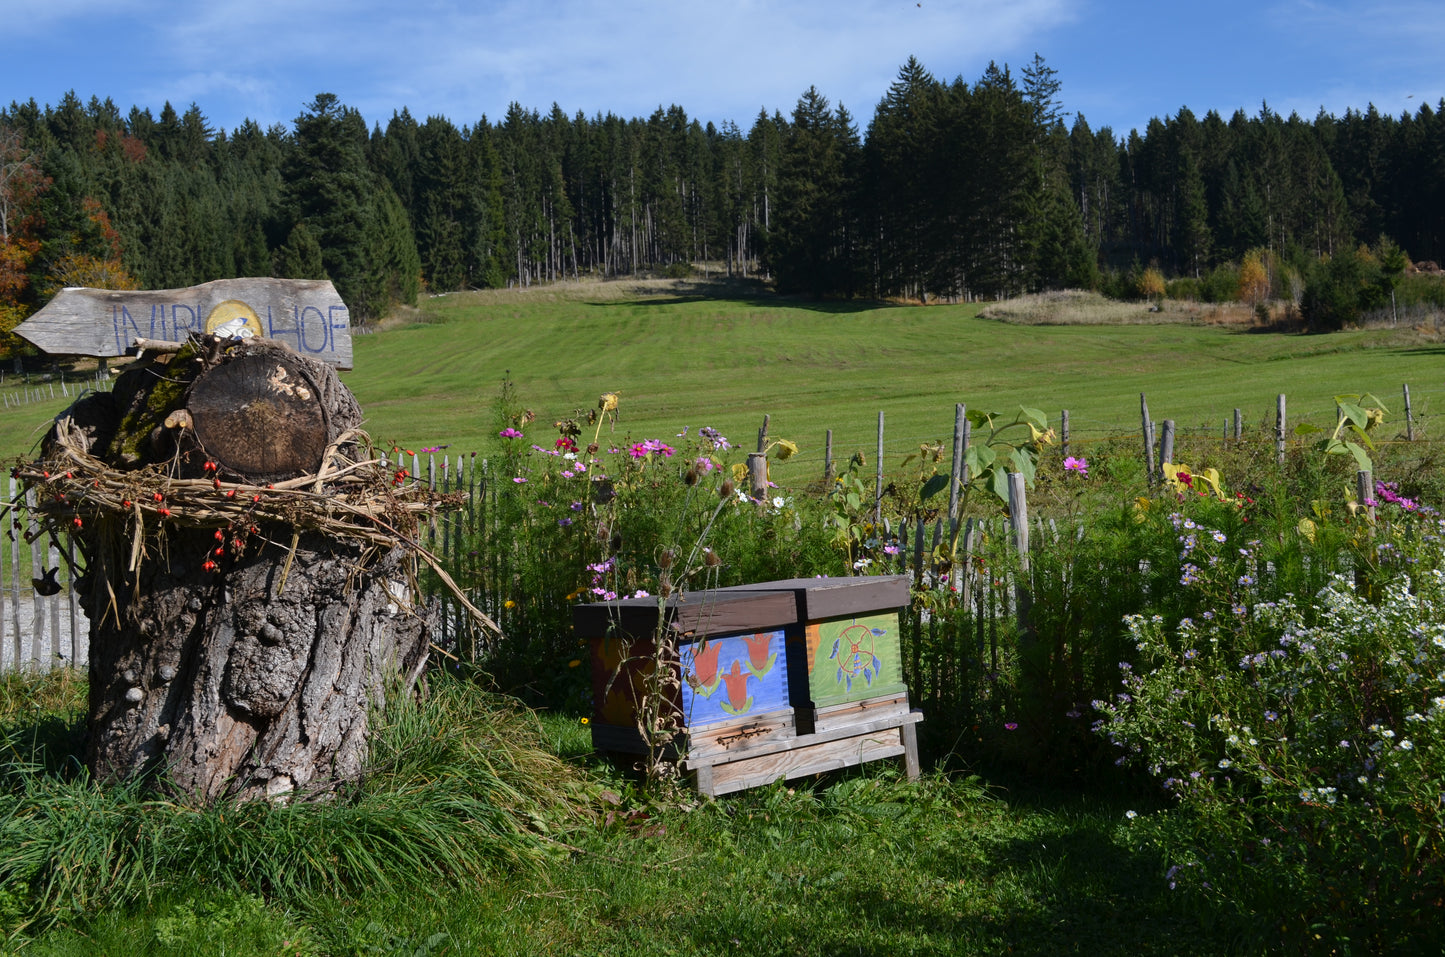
{"x":1166,"y":445}
{"x":1148,"y":429}
{"x":829,"y":471}
{"x":757,"y":476}
{"x":1365,"y":495}
{"x":1238,"y":426}
{"x":956,"y":479}
{"x":878,"y":485}
{"x":1064,"y":432}
{"x":1018,"y":515}
{"x":37,"y":608}
{"x":1409,"y":417}
{"x":1279,"y":429}
{"x":15,"y":583}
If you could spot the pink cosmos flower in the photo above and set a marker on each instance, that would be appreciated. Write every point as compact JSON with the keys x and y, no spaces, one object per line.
{"x":1079,"y":465}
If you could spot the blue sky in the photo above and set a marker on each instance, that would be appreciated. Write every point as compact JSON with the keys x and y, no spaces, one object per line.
{"x":1120,"y":63}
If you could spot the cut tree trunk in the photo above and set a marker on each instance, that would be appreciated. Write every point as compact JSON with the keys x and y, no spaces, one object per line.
{"x":243,"y":658}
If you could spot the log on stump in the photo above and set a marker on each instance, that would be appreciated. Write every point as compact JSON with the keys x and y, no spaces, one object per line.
{"x":248,"y":572}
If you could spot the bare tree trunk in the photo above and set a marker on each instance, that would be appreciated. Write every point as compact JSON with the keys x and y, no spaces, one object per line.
{"x":233,"y":690}
{"x":235,"y":657}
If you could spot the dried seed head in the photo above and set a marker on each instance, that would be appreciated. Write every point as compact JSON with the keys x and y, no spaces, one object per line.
{"x":665,"y":559}
{"x":726,"y":489}
{"x":710,"y":559}
{"x":603,"y":533}
{"x":689,"y":477}
{"x":616,"y":542}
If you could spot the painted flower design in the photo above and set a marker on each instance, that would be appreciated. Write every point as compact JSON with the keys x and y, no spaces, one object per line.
{"x":760,"y":660}
{"x":739,"y":701}
{"x":704,"y":676}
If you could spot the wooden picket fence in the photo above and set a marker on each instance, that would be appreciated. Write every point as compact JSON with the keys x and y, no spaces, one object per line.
{"x":38,"y":631}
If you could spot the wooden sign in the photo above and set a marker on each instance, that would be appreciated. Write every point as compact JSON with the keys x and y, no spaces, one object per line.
{"x":306,"y":314}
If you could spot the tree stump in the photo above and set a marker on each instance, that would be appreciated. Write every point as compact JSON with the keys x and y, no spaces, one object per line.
{"x":239,"y":643}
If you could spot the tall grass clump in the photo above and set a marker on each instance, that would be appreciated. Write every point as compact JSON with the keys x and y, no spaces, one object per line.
{"x":456,"y":789}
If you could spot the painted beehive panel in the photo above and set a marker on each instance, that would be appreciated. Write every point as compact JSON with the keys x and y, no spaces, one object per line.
{"x":732,"y":660}
{"x":734,"y":676}
{"x":854,"y":658}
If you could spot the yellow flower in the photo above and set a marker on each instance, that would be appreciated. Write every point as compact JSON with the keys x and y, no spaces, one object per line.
{"x":574,"y":662}
{"x":509,"y":604}
{"x":586,"y":720}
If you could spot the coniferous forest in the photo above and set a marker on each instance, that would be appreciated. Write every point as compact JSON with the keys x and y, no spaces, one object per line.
{"x":951,"y":190}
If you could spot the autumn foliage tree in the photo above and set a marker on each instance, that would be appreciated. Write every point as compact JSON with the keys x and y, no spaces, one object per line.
{"x":94,"y":256}
{"x":20,"y":184}
{"x":1253,"y":279}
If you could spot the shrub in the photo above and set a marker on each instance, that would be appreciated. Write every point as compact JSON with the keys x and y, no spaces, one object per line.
{"x":1220,"y":284}
{"x":1183,"y":288}
{"x":1304,"y":743}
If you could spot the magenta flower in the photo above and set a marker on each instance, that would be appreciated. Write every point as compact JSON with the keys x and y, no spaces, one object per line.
{"x":1011,"y":726}
{"x":643,"y":449}
{"x":510,"y":433}
{"x":1081,"y":466}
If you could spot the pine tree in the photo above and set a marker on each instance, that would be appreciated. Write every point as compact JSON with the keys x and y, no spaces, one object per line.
{"x":300,"y":256}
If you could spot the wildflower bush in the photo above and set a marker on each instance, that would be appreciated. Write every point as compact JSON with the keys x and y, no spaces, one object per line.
{"x":1303,"y":737}
{"x":575,"y":511}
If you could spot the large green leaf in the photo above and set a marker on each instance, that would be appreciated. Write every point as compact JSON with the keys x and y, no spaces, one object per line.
{"x":979,"y":458}
{"x":1354,"y":414}
{"x":1034,"y":417}
{"x":1023,"y":463}
{"x":933,"y":486}
{"x":979,"y":418}
{"x":998,"y":484}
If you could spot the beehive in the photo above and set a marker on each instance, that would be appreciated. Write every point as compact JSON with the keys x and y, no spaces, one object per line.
{"x":772,"y":680}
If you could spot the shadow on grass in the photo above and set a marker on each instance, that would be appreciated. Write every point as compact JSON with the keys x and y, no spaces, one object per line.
{"x":746,"y":293}
{"x":1067,"y":885}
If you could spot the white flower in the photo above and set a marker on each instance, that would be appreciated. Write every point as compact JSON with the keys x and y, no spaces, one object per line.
{"x":778,"y":501}
{"x":1407,"y":745}
{"x":1131,"y":814}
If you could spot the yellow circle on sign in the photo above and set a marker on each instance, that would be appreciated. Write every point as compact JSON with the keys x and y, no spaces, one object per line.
{"x":230,"y":317}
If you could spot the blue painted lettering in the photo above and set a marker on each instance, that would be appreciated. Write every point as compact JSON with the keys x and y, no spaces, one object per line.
{"x":325,"y":331}
{"x":126,"y":330}
{"x":273,"y":330}
{"x":191,"y":323}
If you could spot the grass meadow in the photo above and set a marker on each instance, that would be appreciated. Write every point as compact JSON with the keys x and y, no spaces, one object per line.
{"x":681,"y":358}
{"x":484,"y":827}
{"x":693,"y":354}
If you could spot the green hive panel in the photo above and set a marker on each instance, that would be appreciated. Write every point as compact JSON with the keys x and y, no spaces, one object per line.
{"x":854,"y":658}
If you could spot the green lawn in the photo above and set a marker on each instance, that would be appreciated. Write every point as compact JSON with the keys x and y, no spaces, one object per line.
{"x":687,"y":361}
{"x":684,"y":360}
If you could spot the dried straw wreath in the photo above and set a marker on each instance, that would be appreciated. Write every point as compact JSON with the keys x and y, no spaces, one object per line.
{"x":360,"y":501}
